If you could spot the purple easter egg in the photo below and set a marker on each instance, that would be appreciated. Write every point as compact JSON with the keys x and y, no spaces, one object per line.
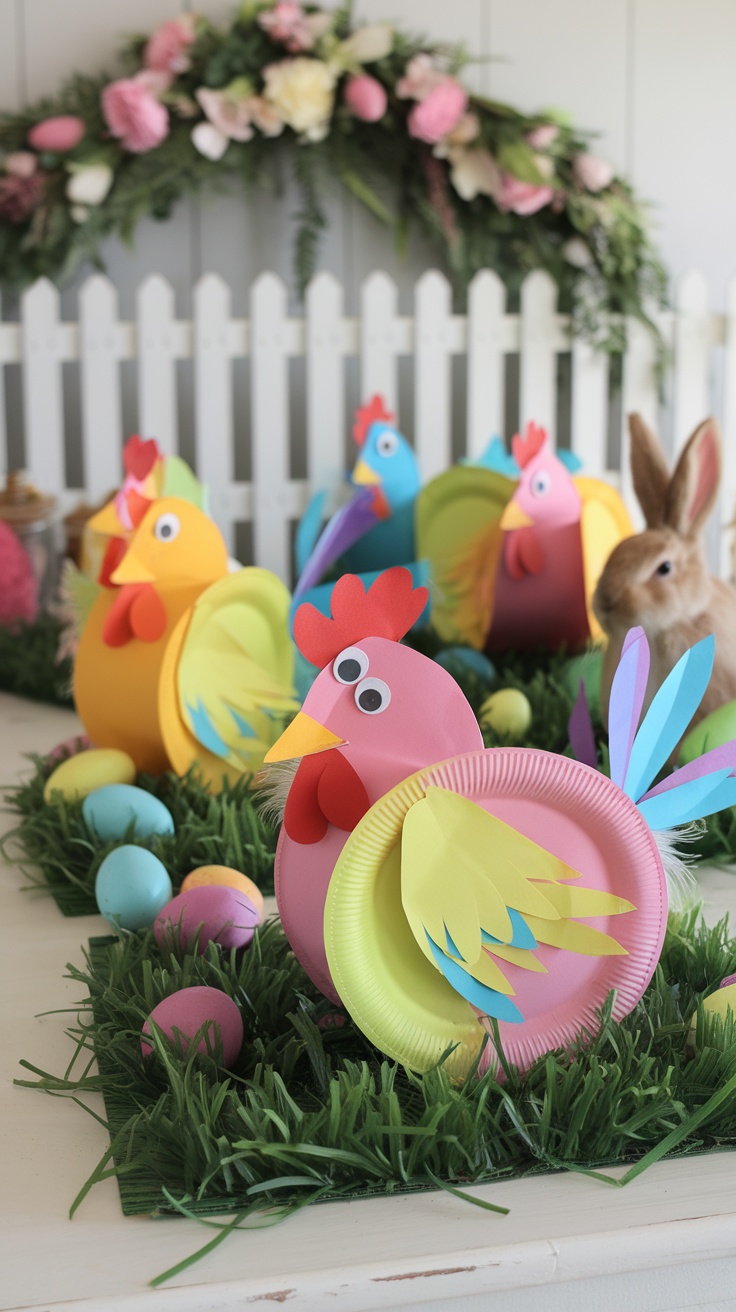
{"x":187,"y":1010}
{"x":221,"y":915}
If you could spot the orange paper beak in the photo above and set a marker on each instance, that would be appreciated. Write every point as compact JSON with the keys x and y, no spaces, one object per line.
{"x":303,"y":737}
{"x":106,"y":521}
{"x":514,"y":517}
{"x":131,"y":570}
{"x":364,"y":475}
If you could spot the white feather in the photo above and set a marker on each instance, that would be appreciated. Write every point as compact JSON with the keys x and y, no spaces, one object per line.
{"x":682,"y":884}
{"x":274,"y":782}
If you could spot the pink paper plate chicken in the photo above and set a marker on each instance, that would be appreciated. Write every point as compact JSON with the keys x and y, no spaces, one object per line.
{"x":439,"y":889}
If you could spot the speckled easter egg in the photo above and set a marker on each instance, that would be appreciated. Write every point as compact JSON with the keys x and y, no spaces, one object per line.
{"x":83,"y":773}
{"x":228,"y":878}
{"x":466,"y":660}
{"x":111,"y":810}
{"x":507,"y":712}
{"x":187,"y":1010}
{"x":131,"y":887}
{"x":212,"y":913}
{"x":713,"y":731}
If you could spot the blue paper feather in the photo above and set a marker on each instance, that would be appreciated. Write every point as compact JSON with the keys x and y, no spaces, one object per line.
{"x":487,"y":1000}
{"x":690,"y":801}
{"x":668,"y":716}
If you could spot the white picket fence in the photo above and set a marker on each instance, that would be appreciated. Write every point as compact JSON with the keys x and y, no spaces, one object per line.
{"x":702,"y":381}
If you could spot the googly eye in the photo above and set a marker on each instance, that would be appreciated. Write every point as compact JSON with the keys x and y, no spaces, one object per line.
{"x":372,"y":696}
{"x":540,"y":483}
{"x":350,"y":665}
{"x":167,"y":528}
{"x":387,"y":444}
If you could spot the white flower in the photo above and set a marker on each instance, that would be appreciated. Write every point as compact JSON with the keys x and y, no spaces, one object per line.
{"x":474,"y":173}
{"x":79,"y":213}
{"x":302,"y":93}
{"x":89,"y":185}
{"x":369,"y":43}
{"x":209,"y":141}
{"x":577,"y":253}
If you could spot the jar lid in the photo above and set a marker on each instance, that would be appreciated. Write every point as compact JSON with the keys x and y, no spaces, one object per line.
{"x":22,"y":504}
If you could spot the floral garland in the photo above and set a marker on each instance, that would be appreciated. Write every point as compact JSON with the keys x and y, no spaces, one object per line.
{"x":383,"y":112}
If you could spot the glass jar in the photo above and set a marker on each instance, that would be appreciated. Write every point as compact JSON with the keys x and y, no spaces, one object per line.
{"x":30,"y":514}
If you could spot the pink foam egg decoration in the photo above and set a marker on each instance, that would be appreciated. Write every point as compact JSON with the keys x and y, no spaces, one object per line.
{"x":212,"y":913}
{"x":63,"y":132}
{"x":183,"y":1013}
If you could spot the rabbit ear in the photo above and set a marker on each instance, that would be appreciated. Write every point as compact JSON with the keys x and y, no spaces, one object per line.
{"x":694,"y":485}
{"x":649,"y":471}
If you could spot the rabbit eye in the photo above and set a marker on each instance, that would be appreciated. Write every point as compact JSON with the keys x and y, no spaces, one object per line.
{"x":664,"y":568}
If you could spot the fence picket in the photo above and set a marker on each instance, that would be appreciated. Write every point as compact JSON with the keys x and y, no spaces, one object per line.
{"x":538,"y":371}
{"x":43,"y":399}
{"x":639,"y":393}
{"x":379,"y":304}
{"x":727,"y":548}
{"x":432,"y":396}
{"x":213,"y":396}
{"x":270,"y":425}
{"x":100,"y":387}
{"x":325,"y":384}
{"x":691,"y":389}
{"x":156,"y":354}
{"x":486,"y":360}
{"x":589,"y":413}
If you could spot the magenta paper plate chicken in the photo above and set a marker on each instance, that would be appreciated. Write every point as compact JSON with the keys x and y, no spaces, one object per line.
{"x":438,"y":889}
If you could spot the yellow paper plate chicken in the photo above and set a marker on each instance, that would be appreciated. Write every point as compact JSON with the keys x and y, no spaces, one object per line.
{"x":180,"y":662}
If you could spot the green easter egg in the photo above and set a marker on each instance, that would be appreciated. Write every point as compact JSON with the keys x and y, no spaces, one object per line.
{"x":588,"y":668}
{"x":716,"y":729}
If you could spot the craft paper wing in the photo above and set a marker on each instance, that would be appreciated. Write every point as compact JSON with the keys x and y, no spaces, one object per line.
{"x":226,"y":682}
{"x":478,"y":893}
{"x":604,"y":522}
{"x":457,"y":531}
{"x":350,"y":523}
{"x":308,"y":530}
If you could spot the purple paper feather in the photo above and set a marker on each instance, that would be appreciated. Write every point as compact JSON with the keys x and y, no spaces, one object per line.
{"x":347,"y":525}
{"x":580,"y":730}
{"x":719,"y":758}
{"x":627,"y":699}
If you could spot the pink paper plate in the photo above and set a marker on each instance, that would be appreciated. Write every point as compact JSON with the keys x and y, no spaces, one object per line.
{"x":398,"y":998}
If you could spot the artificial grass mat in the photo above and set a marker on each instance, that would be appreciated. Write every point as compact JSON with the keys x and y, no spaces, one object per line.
{"x":311,"y":1111}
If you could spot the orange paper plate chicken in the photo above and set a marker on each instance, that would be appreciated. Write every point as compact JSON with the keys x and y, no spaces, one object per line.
{"x":180,"y":662}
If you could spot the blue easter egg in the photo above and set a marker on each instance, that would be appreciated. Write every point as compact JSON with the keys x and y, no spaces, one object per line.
{"x":466,"y":660}
{"x":111,"y":810}
{"x":131,"y":887}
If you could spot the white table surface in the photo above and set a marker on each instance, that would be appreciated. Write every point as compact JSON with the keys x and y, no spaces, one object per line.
{"x":666,"y":1242}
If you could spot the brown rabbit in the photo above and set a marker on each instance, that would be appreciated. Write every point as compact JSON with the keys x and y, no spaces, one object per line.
{"x":658,"y":579}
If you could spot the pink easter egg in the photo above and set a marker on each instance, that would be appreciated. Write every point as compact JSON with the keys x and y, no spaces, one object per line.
{"x":63,"y":132}
{"x":215,"y":912}
{"x":183,"y":1013}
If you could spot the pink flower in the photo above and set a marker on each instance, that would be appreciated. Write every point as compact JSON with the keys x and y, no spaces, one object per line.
{"x":231,"y":115}
{"x":61,"y":133}
{"x":165,"y":50}
{"x":439,"y":112}
{"x":521,"y":197}
{"x":592,"y":172}
{"x":366,"y":98}
{"x":420,"y":77}
{"x":19,"y":197}
{"x":21,"y":163}
{"x":287,"y":23}
{"x":541,"y":138}
{"x":134,"y":115}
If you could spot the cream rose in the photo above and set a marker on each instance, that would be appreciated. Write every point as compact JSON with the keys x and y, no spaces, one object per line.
{"x":302,"y":92}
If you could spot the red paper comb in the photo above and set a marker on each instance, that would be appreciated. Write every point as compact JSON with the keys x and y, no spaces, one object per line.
{"x":527,"y":447}
{"x":369,"y":414}
{"x":387,"y":610}
{"x":139,"y":457}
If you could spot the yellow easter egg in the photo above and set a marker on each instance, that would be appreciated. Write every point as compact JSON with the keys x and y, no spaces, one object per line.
{"x":720,"y":1003}
{"x":83,"y":773}
{"x":507,"y":712}
{"x":224,"y":875}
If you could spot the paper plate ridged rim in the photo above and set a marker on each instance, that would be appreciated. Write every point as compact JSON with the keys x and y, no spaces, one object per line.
{"x":393,"y":993}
